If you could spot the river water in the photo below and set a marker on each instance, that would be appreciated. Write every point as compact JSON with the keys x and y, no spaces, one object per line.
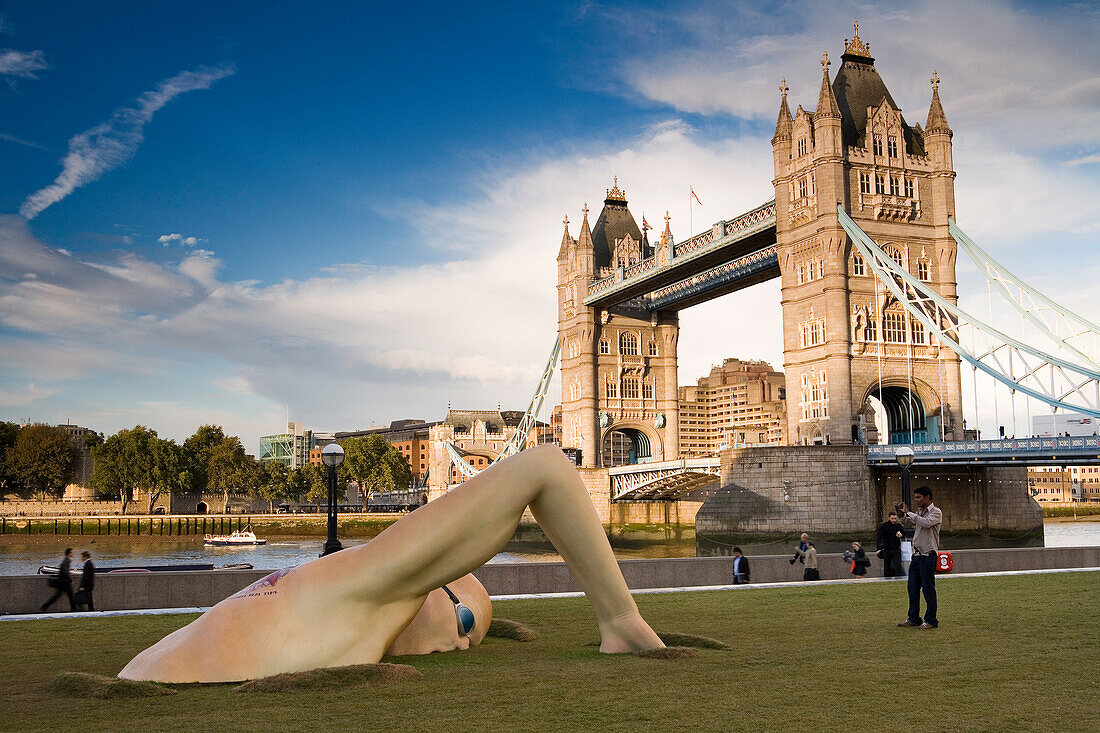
{"x":22,"y":559}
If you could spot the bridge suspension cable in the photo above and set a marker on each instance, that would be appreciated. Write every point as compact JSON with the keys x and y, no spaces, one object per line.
{"x":1049,"y":379}
{"x":1068,"y":330}
{"x":526,"y":424}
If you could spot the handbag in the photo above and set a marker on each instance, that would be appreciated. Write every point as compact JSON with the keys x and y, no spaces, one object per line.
{"x":81,"y":598}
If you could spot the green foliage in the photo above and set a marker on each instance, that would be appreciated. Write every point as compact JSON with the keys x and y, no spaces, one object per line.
{"x":198,"y":448}
{"x":229,"y":469}
{"x":136,"y":460}
{"x":376,"y":465}
{"x":9,"y":431}
{"x":41,"y":460}
{"x":1073,"y":510}
{"x":274,"y":483}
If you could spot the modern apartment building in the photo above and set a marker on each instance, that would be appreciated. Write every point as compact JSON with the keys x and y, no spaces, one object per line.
{"x":739,"y":402}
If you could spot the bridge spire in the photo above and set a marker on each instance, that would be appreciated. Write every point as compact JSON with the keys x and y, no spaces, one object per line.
{"x":826,"y":100}
{"x":784,"y":124}
{"x":584,"y":239}
{"x":566,"y":241}
{"x":666,"y":235}
{"x":937,"y":120}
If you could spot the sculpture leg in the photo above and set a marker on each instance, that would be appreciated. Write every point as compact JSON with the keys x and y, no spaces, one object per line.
{"x":457,"y":533}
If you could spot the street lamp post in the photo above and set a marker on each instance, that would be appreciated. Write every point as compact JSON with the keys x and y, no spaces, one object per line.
{"x":904,"y":456}
{"x":332,"y":456}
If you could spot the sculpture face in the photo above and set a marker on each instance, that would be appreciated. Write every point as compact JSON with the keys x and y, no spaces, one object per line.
{"x":435,"y":628}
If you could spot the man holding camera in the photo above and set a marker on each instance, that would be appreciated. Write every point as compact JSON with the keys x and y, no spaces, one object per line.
{"x":922,"y":568}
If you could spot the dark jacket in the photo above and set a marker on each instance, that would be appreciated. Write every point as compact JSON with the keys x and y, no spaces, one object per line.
{"x":87,"y":578}
{"x":63,"y":571}
{"x":860,"y":562}
{"x":742,"y":574}
{"x":887,"y":536}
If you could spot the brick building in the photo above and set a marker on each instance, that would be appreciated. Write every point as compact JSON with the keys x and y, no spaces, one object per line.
{"x":739,"y":402}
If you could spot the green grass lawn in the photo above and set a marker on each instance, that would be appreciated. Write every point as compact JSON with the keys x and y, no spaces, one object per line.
{"x":1019,"y":653}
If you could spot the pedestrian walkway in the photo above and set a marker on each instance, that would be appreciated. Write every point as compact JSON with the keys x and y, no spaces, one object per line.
{"x":575,"y":594}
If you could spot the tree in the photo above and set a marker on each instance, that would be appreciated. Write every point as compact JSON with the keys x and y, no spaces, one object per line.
{"x":229,"y":469}
{"x":9,"y":432}
{"x":41,"y":460}
{"x":315,"y":478}
{"x":137,"y":461}
{"x":375,"y":465}
{"x":274,"y":484}
{"x":197,"y":449}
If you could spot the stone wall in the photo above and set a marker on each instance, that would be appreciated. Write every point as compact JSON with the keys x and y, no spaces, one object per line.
{"x":977,"y":499}
{"x":23,"y":594}
{"x":791,"y":489}
{"x":21,"y":508}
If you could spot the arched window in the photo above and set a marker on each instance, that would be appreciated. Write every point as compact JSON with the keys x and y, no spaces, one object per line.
{"x":628,"y":344}
{"x":653,"y":348}
{"x":858,"y":265}
{"x":895,"y":255}
{"x":923,"y":270}
{"x":893,"y":327}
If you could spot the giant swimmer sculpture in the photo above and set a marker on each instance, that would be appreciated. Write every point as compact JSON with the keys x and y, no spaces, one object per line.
{"x":408,"y":590}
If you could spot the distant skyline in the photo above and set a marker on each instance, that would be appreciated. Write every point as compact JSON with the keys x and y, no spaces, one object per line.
{"x":219,"y":213}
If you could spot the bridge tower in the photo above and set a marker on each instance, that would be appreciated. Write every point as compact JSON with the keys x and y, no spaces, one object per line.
{"x":619,"y":399}
{"x":846,"y":343}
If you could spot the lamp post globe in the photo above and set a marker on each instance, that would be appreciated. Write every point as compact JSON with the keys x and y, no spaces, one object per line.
{"x":332,"y":456}
{"x":904,"y":456}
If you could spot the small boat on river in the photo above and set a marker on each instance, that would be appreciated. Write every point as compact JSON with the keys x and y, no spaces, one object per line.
{"x":240,"y":538}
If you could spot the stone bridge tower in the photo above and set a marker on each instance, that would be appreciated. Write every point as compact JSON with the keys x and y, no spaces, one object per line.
{"x":619,"y":399}
{"x":846,"y":343}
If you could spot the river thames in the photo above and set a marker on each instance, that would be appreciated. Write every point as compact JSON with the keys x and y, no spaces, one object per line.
{"x":280,"y":552}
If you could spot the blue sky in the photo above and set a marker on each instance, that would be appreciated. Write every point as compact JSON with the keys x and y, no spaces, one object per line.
{"x":350,"y":211}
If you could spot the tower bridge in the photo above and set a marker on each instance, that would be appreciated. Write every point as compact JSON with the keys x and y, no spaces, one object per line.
{"x":849,"y":347}
{"x":863,"y":237}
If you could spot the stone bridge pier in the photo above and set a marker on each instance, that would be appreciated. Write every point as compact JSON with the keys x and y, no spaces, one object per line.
{"x":769,"y":494}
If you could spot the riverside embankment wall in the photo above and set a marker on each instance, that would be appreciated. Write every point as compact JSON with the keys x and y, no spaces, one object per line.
{"x":23,"y":594}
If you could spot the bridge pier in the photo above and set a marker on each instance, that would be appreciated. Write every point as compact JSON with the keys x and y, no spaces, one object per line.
{"x":770,"y":494}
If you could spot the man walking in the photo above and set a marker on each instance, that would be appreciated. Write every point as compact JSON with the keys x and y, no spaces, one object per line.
{"x":87,"y":582}
{"x":888,"y":542}
{"x":740,"y":567}
{"x":62,"y":584}
{"x":922,"y":568}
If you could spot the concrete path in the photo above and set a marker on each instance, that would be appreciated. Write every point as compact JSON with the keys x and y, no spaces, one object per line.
{"x":578,"y":594}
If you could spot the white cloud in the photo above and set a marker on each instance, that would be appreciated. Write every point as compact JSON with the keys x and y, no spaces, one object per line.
{"x":20,"y":396}
{"x":22,"y":64}
{"x":167,"y":239}
{"x":110,"y":144}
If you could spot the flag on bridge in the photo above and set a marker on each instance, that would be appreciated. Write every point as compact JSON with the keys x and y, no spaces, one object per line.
{"x":645,"y":224}
{"x":695,"y":196}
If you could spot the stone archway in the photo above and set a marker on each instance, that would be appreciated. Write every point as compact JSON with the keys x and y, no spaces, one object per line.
{"x":201,"y":508}
{"x":627,"y":444}
{"x":908,"y":411}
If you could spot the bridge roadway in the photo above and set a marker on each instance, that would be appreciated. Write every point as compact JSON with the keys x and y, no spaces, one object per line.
{"x":1008,"y":452}
{"x":676,"y":479}
{"x":730,"y":256}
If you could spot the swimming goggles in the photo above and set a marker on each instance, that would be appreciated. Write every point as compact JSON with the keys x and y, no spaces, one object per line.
{"x":462,"y":612}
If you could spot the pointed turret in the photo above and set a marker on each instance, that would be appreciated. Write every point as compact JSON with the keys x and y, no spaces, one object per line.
{"x":666,"y":235}
{"x":783,"y":123}
{"x":937,"y":120}
{"x":584,"y":240}
{"x":566,"y":241}
{"x":826,"y":100}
